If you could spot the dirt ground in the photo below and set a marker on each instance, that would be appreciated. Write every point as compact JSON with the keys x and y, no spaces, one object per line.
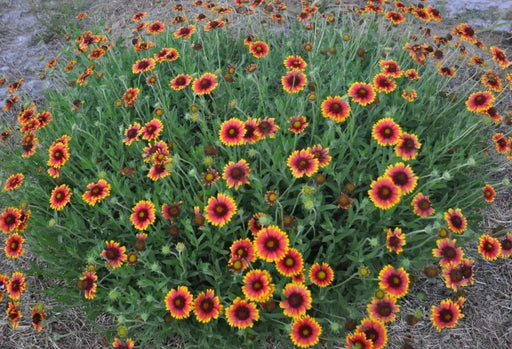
{"x":26,"y":47}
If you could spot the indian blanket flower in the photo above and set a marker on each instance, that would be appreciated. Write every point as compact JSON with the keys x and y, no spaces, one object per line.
{"x":479,"y":102}
{"x":335,"y":109}
{"x":266,"y":127}
{"x":96,"y":192}
{"x":403,"y":176}
{"x":271,"y":243}
{"x":297,"y":124}
{"x":179,"y":302}
{"x":172,"y":211}
{"x":466,"y":33}
{"x":185,"y":32}
{"x":386,"y":132}
{"x":14,"y":246}
{"x":446,"y":315}
{"x":143,"y":65}
{"x":236,"y":174}
{"x":302,"y":162}
{"x":132,"y":133}
{"x":130,"y":96}
{"x":298,"y":300}
{"x":204,"y":84}
{"x":252,"y":134}
{"x":448,"y":252}
{"x":291,"y":264}
{"x":258,"y":286}
{"x":152,"y":129}
{"x":167,"y":54}
{"x":114,"y":254}
{"x":391,"y":68}
{"x":305,"y":332}
{"x":180,"y":82}
{"x":118,"y":344}
{"x":58,"y":155}
{"x":13,"y":313}
{"x":321,"y":274}
{"x":295,"y":63}
{"x":259,"y":49}
{"x":383,"y":83}
{"x":242,"y":314}
{"x":499,"y":56}
{"x":16,"y":286}
{"x":207,"y":306}
{"x":9,"y":219}
{"x":489,"y":247}
{"x":395,"y":240}
{"x":455,"y":220}
{"x":254,"y":223}
{"x":60,"y":197}
{"x":159,"y":169}
{"x":422,"y":206}
{"x":14,"y":181}
{"x":219,"y":210}
{"x":88,"y":283}
{"x":500,"y":142}
{"x":362,"y":93}
{"x":294,"y":81}
{"x":156,"y":27}
{"x":38,"y":315}
{"x":394,"y":282}
{"x":143,"y":215}
{"x":358,"y":340}
{"x":271,"y":197}
{"x":321,"y":154}
{"x":460,"y":274}
{"x":210,"y":176}
{"x":489,"y":193}
{"x":412,"y":74}
{"x":492,"y":81}
{"x":407,"y":146}
{"x":383,"y":309}
{"x":375,"y":331}
{"x":384,"y":193}
{"x":244,"y":249}
{"x":506,"y":246}
{"x":232,"y":132}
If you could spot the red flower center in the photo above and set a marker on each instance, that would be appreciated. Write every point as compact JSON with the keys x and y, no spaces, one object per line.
{"x":489,"y":247}
{"x":15,"y":285}
{"x":480,"y":100}
{"x":272,"y":244}
{"x":237,"y":173}
{"x":456,"y":221}
{"x":456,"y":275}
{"x":409,"y":144}
{"x":207,"y":305}
{"x":295,"y":300}
{"x":394,"y":241}
{"x":384,"y":192}
{"x":36,"y":318}
{"x":96,"y":191}
{"x":181,"y":81}
{"x":506,"y":245}
{"x":14,"y":245}
{"x":289,"y":261}
{"x":302,"y":164}
{"x":150,"y":129}
{"x":179,"y":302}
{"x":387,"y":132}
{"x":384,"y":309}
{"x":205,"y":83}
{"x":293,"y":80}
{"x":446,"y":315}
{"x":362,"y":92}
{"x":395,"y":280}
{"x":9,"y":219}
{"x":143,"y":214}
{"x":424,"y":204}
{"x":242,"y":313}
{"x":257,"y":285}
{"x":305,"y":331}
{"x":449,"y":252}
{"x":400,"y":178}
{"x":57,"y":154}
{"x":221,"y":209}
{"x":372,"y":334}
{"x":132,"y":133}
{"x":112,"y":253}
{"x":233,"y":132}
{"x":259,"y":48}
{"x":59,"y":196}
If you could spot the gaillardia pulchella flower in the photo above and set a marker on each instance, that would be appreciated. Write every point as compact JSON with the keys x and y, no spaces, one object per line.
{"x":180,"y":82}
{"x":403,"y":176}
{"x":422,"y":206}
{"x":60,"y":197}
{"x":298,"y":300}
{"x":489,"y":247}
{"x":96,"y":192}
{"x":205,"y":84}
{"x":179,"y":302}
{"x":375,"y":331}
{"x":294,"y":81}
{"x":335,"y":109}
{"x":386,"y":132}
{"x":362,"y":93}
{"x":14,"y":181}
{"x":394,"y":282}
{"x":114,"y":254}
{"x":455,"y":220}
{"x":258,"y":49}
{"x":143,"y":215}
{"x":302,"y":162}
{"x":236,"y":174}
{"x":232,"y":132}
{"x":479,"y":102}
{"x":258,"y":286}
{"x":271,"y":243}
{"x":242,"y":314}
{"x":207,"y":306}
{"x":321,"y":274}
{"x":384,"y":193}
{"x":291,"y":264}
{"x":220,"y":209}
{"x":446,"y":315}
{"x":305,"y":331}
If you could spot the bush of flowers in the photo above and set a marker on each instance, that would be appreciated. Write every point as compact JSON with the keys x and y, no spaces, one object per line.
{"x":290,"y":180}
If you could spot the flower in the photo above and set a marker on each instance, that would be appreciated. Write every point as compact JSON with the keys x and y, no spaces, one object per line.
{"x":96,"y":192}
{"x":321,"y":275}
{"x":88,"y":283}
{"x":412,"y":74}
{"x":383,"y":83}
{"x":391,"y":68}
{"x":16,"y":286}
{"x":294,"y":81}
{"x":38,"y":314}
{"x":422,"y":206}
{"x":152,"y":129}
{"x":254,"y":223}
{"x":305,"y":332}
{"x":335,"y":109}
{"x":242,"y":313}
{"x":130,"y":96}
{"x":14,"y":181}
{"x":271,"y":243}
{"x":61,"y":195}
{"x":375,"y":331}
{"x":185,"y":32}
{"x":179,"y":302}
{"x":58,"y":155}
{"x":395,"y":17}
{"x":386,"y":132}
{"x":159,"y":169}
{"x":232,"y":132}
{"x":479,"y":102}
{"x":506,"y":246}
{"x":13,"y":313}
{"x":383,"y":309}
{"x":298,"y":300}
{"x":132,"y":133}
{"x":258,"y":286}
{"x":500,"y":142}
{"x":220,"y":209}
{"x":384,"y":193}
{"x":171,"y":212}
{"x":210,"y":176}
{"x":155,"y":28}
{"x":448,"y":252}
{"x":143,"y":65}
{"x":252,"y":134}
{"x":302,"y":162}
{"x":167,"y":54}
{"x":14,"y":246}
{"x":455,"y":220}
{"x":181,"y":81}
{"x":266,"y":128}
{"x":258,"y":49}
{"x":446,"y":315}
{"x":394,"y":282}
{"x":9,"y":219}
{"x":128,"y":344}
{"x":143,"y":214}
{"x":205,"y":84}
{"x":295,"y":63}
{"x":243,"y":249}
{"x":358,"y":340}
{"x":236,"y":174}
{"x":291,"y":264}
{"x":321,"y":154}
{"x":492,"y":81}
{"x":395,"y":240}
{"x":489,"y":247}
{"x":207,"y":306}
{"x":499,"y":56}
{"x":297,"y":124}
{"x":271,"y":197}
{"x":489,"y":193}
{"x":407,"y":146}
{"x":362,"y":93}
{"x":403,"y":176}
{"x":114,"y":254}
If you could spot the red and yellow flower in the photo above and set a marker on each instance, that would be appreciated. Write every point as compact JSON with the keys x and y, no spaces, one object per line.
{"x":96,"y":192}
{"x":362,"y":93}
{"x":422,"y":206}
{"x":358,"y":340}
{"x":259,"y":49}
{"x":383,"y":309}
{"x":448,"y":252}
{"x":384,"y":193}
{"x":16,"y":286}
{"x":386,"y":132}
{"x":455,"y":220}
{"x":295,"y":63}
{"x":143,"y":214}
{"x":207,"y":306}
{"x":291,"y":264}
{"x":489,"y":193}
{"x":132,"y":133}
{"x":60,"y":197}
{"x":271,"y":243}
{"x":499,"y":56}
{"x":180,"y":82}
{"x":298,"y":300}
{"x":152,"y":129}
{"x":232,"y":132}
{"x":302,"y":162}
{"x":130,"y":96}
{"x":205,"y":84}
{"x":10,"y":219}
{"x":294,"y":81}
{"x":407,"y":146}
{"x":38,"y":315}
{"x":479,"y":102}
{"x":14,"y":246}
{"x":114,"y":254}
{"x":13,"y":313}
{"x":128,"y":344}
{"x":394,"y":282}
{"x":244,"y":249}
{"x":375,"y":331}
{"x":242,"y":314}
{"x":297,"y":124}
{"x":88,"y":283}
{"x":219,"y":210}
{"x":395,"y":240}
{"x":321,"y":274}
{"x":143,"y":65}
{"x":236,"y":174}
{"x":185,"y":32}
{"x":14,"y":181}
{"x":403,"y":176}
{"x":258,"y":286}
{"x":58,"y":155}
{"x":383,"y":83}
{"x":305,"y":332}
{"x":489,"y":247}
{"x":446,"y":315}
{"x":179,"y":302}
